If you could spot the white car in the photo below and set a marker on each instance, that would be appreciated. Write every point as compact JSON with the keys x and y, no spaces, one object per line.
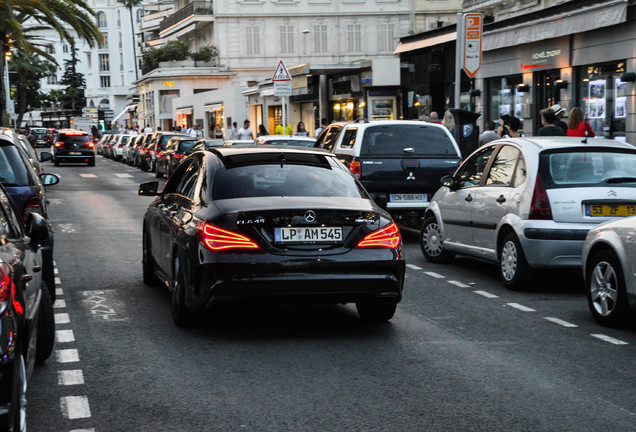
{"x":118,"y":146}
{"x":609,"y":263}
{"x":528,"y":203}
{"x":292,"y":140}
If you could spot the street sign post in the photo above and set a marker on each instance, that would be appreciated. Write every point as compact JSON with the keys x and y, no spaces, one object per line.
{"x":283,"y":88}
{"x":472,"y":29}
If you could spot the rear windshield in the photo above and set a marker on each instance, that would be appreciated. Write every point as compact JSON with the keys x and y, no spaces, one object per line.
{"x":13,"y":168}
{"x":284,"y":180}
{"x":290,"y":142}
{"x":186,"y":145}
{"x":40,"y":132}
{"x":164,"y":140}
{"x":584,"y":167}
{"x":401,"y":140}
{"x":74,"y":139}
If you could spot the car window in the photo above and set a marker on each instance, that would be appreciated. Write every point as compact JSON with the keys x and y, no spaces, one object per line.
{"x":349,"y":138}
{"x":186,"y":145}
{"x":397,"y":139}
{"x":331,"y":136}
{"x":581,"y":167}
{"x":13,"y":166}
{"x":520,"y":172}
{"x":287,"y":179}
{"x":188,"y":183}
{"x":502,"y":170}
{"x":473,"y":168}
{"x":175,"y":179}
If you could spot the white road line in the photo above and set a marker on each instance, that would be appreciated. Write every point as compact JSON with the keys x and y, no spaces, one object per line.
{"x":459,"y":284}
{"x":609,"y":339}
{"x":67,"y":356}
{"x":59,"y":291}
{"x":123,"y":175}
{"x":561,"y":322}
{"x":59,"y":304}
{"x":70,"y":377}
{"x":88,"y":175}
{"x":435,"y":275}
{"x":83,"y":430}
{"x":58,"y":281}
{"x":62,"y":336}
{"x":61,"y":318}
{"x":520,"y":307}
{"x":55,"y":271}
{"x":486,"y":294}
{"x":75,"y":407}
{"x":414,"y":267}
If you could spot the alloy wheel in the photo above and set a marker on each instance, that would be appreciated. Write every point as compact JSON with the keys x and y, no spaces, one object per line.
{"x":509,"y":257}
{"x":604,"y":288}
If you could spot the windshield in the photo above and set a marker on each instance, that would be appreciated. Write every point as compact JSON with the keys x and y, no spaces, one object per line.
{"x":284,"y":180}
{"x":580,"y":168}
{"x":186,"y":145}
{"x":406,"y":139}
{"x":13,"y":171}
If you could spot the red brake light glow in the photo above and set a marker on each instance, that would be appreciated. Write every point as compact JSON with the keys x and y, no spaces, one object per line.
{"x":387,"y":237}
{"x":540,"y":207}
{"x":90,"y":144}
{"x":356,"y":168}
{"x":59,"y":143}
{"x":218,"y":239}
{"x":178,"y":155}
{"x":7,"y":290}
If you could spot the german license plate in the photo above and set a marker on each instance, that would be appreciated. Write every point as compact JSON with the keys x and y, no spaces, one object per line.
{"x":409,"y":198}
{"x":308,"y":235}
{"x":610,"y":210}
{"x":75,"y":153}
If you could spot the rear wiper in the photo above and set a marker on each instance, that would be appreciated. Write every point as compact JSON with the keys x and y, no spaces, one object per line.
{"x":621,"y":180}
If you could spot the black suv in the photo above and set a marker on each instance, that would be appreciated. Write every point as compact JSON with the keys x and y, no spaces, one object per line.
{"x":72,"y":146}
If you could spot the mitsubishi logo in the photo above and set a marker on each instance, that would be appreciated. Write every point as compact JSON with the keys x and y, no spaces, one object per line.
{"x":611,"y":193}
{"x":310,"y":216}
{"x":411,"y":176}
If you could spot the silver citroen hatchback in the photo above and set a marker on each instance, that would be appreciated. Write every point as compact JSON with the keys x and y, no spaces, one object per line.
{"x":528,"y":203}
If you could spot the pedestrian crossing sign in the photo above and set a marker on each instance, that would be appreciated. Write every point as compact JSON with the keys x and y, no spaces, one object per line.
{"x":281,"y":73}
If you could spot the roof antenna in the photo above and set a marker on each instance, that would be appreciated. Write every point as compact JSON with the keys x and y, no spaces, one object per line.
{"x":584,"y":139}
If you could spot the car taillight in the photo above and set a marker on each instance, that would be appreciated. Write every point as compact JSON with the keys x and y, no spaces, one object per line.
{"x":356,"y":168}
{"x":387,"y":237}
{"x":179,"y":155}
{"x":90,"y":144}
{"x":7,"y":290}
{"x":218,"y":239}
{"x":540,"y":207}
{"x":31,"y":206}
{"x":59,"y":143}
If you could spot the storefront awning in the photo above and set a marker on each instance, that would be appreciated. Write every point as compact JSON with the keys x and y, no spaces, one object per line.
{"x":184,"y":110}
{"x":585,"y":19}
{"x":424,"y":43}
{"x":213,"y":107}
{"x":124,"y":111}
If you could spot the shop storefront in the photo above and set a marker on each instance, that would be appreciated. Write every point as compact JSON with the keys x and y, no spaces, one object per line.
{"x":215,"y":120}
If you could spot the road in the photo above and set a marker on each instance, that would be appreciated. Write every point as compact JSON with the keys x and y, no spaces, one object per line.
{"x":462,"y":353}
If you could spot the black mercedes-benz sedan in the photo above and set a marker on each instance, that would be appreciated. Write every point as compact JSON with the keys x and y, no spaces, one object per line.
{"x":270,"y":225}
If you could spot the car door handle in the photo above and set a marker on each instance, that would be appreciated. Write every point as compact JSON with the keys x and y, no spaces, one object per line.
{"x":469,"y":198}
{"x":26,"y":277}
{"x":36,"y":269}
{"x":501,"y":199}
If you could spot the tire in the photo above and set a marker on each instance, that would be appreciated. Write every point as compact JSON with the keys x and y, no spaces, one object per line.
{"x":146,"y":262}
{"x":46,"y":327}
{"x":432,"y":244}
{"x":19,"y":395}
{"x":514,"y":269}
{"x":605,"y":289}
{"x":375,"y":312}
{"x":181,"y":314}
{"x":91,"y":163}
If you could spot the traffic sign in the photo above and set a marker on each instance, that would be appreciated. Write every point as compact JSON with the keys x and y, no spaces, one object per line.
{"x":281,"y":73}
{"x":473,"y":29}
{"x":282,"y":88}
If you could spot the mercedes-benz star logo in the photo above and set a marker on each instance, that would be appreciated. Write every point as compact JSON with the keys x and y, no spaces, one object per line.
{"x":310,"y":216}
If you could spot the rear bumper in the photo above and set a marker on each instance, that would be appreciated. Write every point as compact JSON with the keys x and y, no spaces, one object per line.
{"x":68,"y":158}
{"x":551,"y":244}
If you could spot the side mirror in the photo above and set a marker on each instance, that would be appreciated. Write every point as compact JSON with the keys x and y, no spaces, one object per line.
{"x":46,"y":156}
{"x":149,"y":188}
{"x":448,"y":181}
{"x":37,"y":229}
{"x":49,"y":179}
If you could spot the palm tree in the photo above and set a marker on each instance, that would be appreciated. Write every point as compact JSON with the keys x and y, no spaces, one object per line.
{"x":50,"y":14}
{"x":130,"y":4}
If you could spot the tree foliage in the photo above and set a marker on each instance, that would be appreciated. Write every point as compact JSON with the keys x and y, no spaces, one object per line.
{"x":175,"y":51}
{"x":29,"y":70}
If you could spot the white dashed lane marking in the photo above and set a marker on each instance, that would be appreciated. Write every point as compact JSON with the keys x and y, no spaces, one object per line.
{"x":67,"y":356}
{"x":59,"y":291}
{"x":61,"y":318}
{"x":435,"y":275}
{"x":63,"y":336}
{"x":459,"y":284}
{"x":609,"y":339}
{"x":486,"y":294}
{"x":560,"y":322}
{"x":70,"y":377}
{"x":123,"y":175}
{"x":59,"y":304}
{"x":520,"y":307}
{"x":414,"y":267}
{"x":75,"y":407}
{"x":88,"y":175}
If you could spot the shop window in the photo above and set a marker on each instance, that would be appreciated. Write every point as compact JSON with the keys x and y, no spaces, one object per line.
{"x":602,"y":96}
{"x":504,"y":98}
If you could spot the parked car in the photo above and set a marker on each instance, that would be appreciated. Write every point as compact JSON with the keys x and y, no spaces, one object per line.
{"x":400,"y":163}
{"x":27,"y":190}
{"x":27,"y":327}
{"x":30,"y":152}
{"x":609,"y":261}
{"x":101,"y":144}
{"x":208,"y":143}
{"x":144,"y":156}
{"x":300,"y":141}
{"x":39,"y":137}
{"x":176,"y":149}
{"x":158,"y":145}
{"x":235,"y":142}
{"x":128,"y":150}
{"x":117,"y":148}
{"x":528,"y":203}
{"x":322,"y":240}
{"x":73,"y":146}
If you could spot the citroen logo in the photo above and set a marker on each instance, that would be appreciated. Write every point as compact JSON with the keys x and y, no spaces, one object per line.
{"x":411,"y":176}
{"x":611,"y":193}
{"x":310,"y":216}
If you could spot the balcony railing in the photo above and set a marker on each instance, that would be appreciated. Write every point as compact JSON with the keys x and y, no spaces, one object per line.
{"x":194,"y":8}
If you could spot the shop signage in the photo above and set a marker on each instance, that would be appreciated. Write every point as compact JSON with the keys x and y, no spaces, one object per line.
{"x":282,"y":81}
{"x":549,"y":54}
{"x":473,"y":26}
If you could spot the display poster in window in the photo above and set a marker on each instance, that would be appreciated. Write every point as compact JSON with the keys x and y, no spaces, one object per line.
{"x":620,"y":88}
{"x":505,"y":101}
{"x":518,"y":103}
{"x":596,"y":99}
{"x":382,"y":109}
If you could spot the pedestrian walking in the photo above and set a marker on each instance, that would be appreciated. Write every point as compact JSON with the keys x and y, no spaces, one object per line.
{"x":559,"y":112}
{"x":218,"y":132}
{"x":262,"y":131}
{"x":434,"y":117}
{"x":300,"y":130}
{"x":578,"y":125}
{"x":245,"y":133}
{"x":234,"y":132}
{"x":549,"y":129}
{"x":504,"y":126}
{"x":279,"y":130}
{"x":323,"y":125}
{"x":515,"y":124}
{"x":488,"y":134}
{"x":449,"y":122}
